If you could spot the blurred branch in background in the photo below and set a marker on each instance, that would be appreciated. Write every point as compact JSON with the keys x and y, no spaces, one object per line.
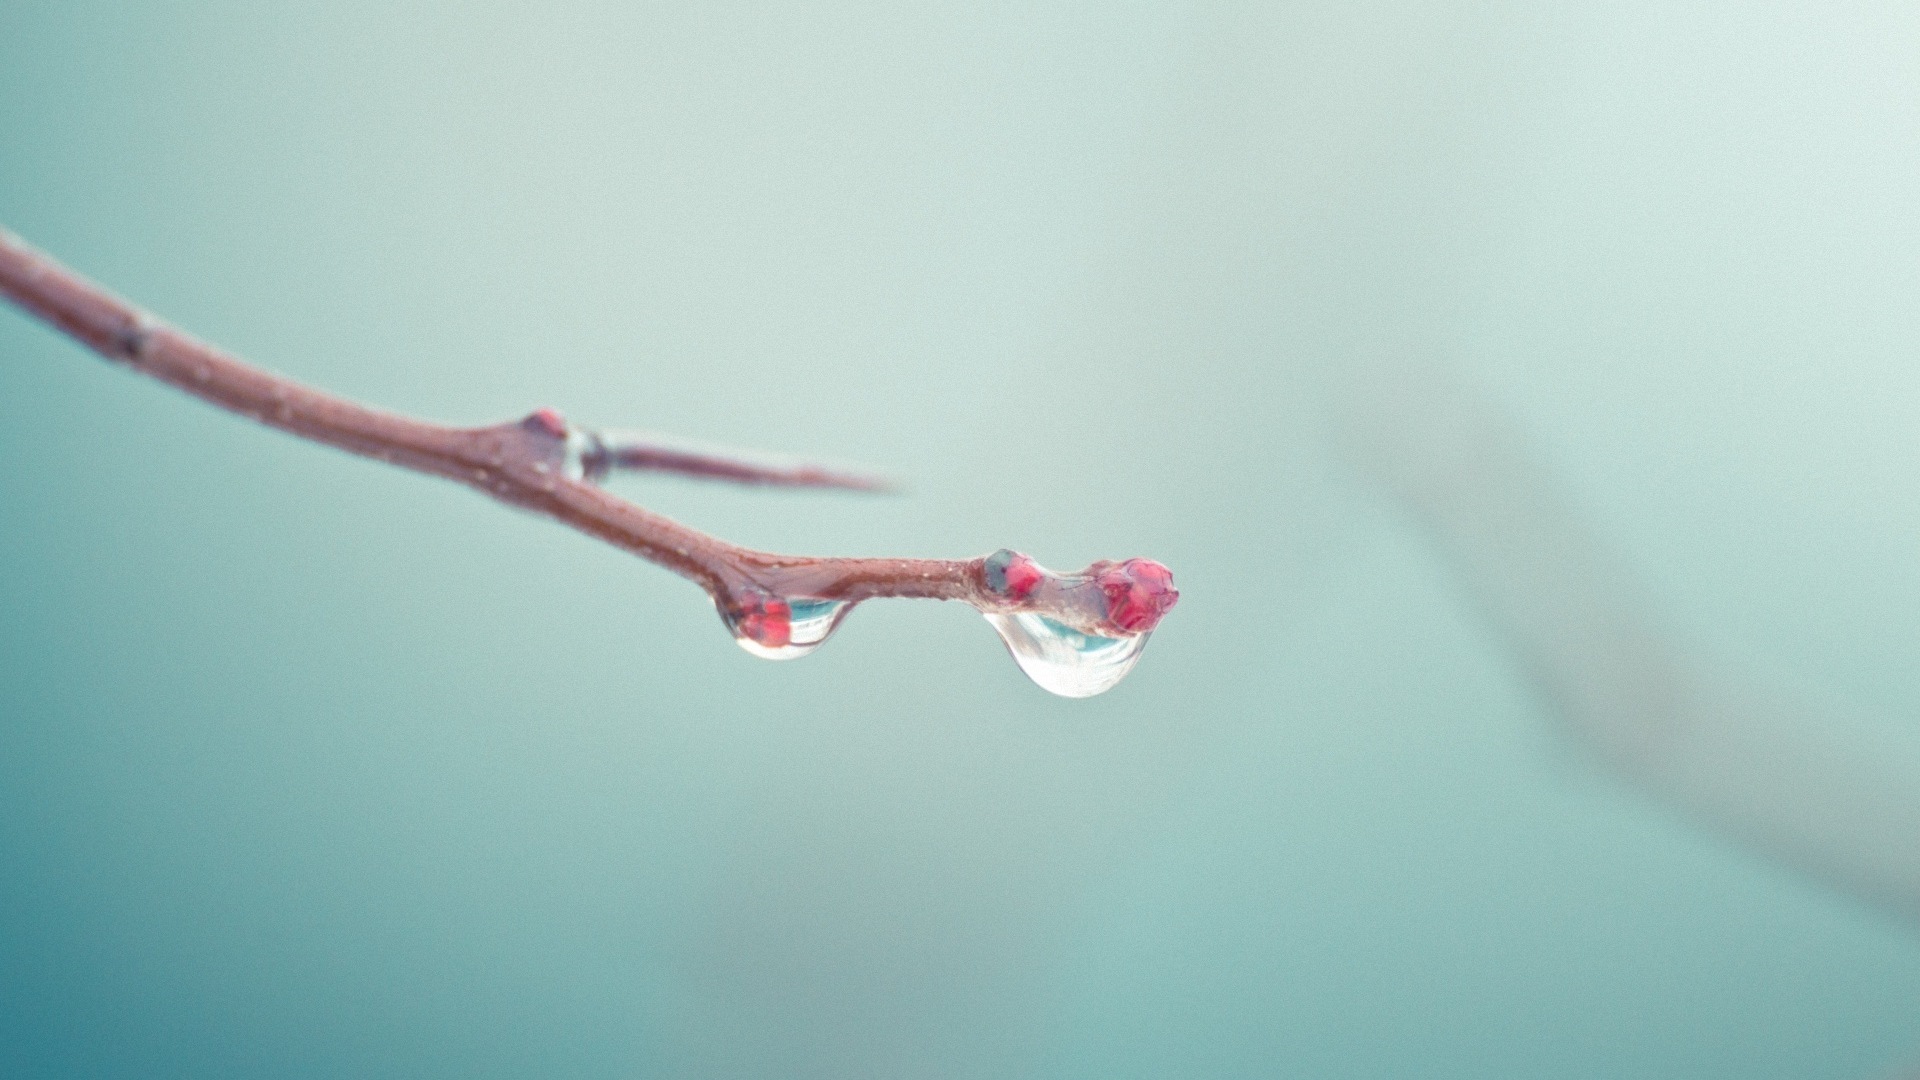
{"x":1346,"y":273}
{"x":1812,"y":784}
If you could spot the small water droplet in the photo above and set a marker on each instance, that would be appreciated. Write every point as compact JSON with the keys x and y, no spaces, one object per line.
{"x":583,"y":456}
{"x":775,"y":628}
{"x":1063,"y":660}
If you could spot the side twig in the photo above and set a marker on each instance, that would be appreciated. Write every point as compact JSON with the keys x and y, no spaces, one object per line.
{"x":547,"y":465}
{"x":610,"y":451}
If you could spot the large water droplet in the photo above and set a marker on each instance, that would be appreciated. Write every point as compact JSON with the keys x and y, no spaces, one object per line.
{"x":774,"y":628}
{"x":1063,"y":660}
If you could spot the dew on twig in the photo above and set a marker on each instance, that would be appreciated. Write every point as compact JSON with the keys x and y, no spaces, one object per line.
{"x":1075,"y":635}
{"x":1065,"y":661}
{"x":782,"y":628}
{"x":1106,"y":613}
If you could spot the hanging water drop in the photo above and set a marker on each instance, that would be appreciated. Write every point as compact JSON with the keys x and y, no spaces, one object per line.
{"x":778,"y":628}
{"x":1063,"y":660}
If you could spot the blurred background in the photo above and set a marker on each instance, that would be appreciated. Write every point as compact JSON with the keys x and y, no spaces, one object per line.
{"x":311,"y":767}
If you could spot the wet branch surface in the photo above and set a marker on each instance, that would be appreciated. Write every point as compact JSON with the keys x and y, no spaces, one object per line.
{"x":547,"y":465}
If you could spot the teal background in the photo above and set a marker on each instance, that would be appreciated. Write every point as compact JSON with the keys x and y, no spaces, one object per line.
{"x":310,"y":767}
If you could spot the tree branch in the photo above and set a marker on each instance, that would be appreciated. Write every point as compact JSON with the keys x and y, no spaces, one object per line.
{"x":545,"y":464}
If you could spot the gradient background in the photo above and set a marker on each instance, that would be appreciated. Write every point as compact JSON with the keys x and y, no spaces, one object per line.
{"x":310,"y":767}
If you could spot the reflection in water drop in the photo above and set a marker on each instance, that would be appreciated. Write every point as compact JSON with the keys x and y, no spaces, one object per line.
{"x":776,"y":629}
{"x":1063,"y":660}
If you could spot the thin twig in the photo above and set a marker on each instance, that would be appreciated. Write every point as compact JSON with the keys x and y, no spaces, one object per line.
{"x":607,"y":451}
{"x":544,"y":464}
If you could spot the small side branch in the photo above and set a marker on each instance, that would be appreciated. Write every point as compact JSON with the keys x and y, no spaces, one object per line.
{"x":545,"y":464}
{"x":611,"y":451}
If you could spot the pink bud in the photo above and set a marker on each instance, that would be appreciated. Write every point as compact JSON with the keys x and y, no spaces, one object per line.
{"x":549,"y":421}
{"x":767,"y":620}
{"x":1138,"y":592}
{"x":1013,"y":575}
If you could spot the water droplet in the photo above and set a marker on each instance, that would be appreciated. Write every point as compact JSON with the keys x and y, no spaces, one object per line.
{"x":583,"y":456}
{"x":774,"y":628}
{"x":1063,"y":660}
